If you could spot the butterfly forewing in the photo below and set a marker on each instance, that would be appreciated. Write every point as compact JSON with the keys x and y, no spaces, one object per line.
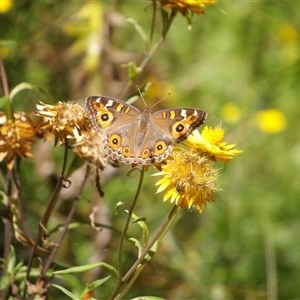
{"x":180,"y":122}
{"x":104,"y":111}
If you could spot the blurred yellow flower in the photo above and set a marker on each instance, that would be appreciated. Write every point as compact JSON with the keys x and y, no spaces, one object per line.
{"x":159,"y":89}
{"x":196,"y":6}
{"x":289,"y":34}
{"x":5,"y":6}
{"x":84,"y":27}
{"x":189,"y":180}
{"x":231,"y":113}
{"x":16,"y":137}
{"x":271,"y":121}
{"x":210,"y":144}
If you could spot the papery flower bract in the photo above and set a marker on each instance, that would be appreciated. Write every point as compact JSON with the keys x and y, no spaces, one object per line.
{"x":189,"y":180}
{"x":16,"y":136}
{"x":63,"y":121}
{"x":90,"y":147}
{"x":209,"y":143}
{"x":183,"y":6}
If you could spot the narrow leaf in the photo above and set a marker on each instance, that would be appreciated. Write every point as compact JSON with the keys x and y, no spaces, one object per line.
{"x":138,"y":28}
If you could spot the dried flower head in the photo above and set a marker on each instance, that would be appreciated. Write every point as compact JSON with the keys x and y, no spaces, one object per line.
{"x":16,"y":136}
{"x":189,"y":180}
{"x":210,"y":144}
{"x":63,"y":121}
{"x":90,"y":147}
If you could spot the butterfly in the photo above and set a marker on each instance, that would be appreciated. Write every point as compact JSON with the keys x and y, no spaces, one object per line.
{"x":144,"y":137}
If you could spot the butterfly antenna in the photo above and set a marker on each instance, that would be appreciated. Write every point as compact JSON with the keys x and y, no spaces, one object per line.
{"x":154,"y":103}
{"x":161,"y":99}
{"x":141,"y":95}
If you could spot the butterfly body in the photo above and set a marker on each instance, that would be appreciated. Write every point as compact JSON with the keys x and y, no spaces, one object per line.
{"x":136,"y":137}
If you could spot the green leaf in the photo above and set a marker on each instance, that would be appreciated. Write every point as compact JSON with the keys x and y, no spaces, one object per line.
{"x":137,"y":244}
{"x":3,"y":198}
{"x":11,"y":260}
{"x":95,"y":284}
{"x":3,"y":102}
{"x":133,"y":70}
{"x":151,"y":253}
{"x":85,"y":268}
{"x":142,"y":224}
{"x":120,"y":203}
{"x":138,"y":28}
{"x":68,"y":293}
{"x":27,"y":86}
{"x":139,"y":219}
{"x":165,"y":20}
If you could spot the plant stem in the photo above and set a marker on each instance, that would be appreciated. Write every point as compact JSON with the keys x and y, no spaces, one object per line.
{"x":131,"y":275}
{"x":66,"y":224}
{"x":7,"y":226}
{"x":46,"y":216}
{"x":7,"y":220}
{"x":152,"y":51}
{"x":157,"y":238}
{"x":152,"y":24}
{"x":4,"y":78}
{"x":123,"y":234}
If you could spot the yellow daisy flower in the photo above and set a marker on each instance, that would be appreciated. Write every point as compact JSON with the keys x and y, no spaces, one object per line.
{"x":16,"y":137}
{"x":210,"y":144}
{"x":63,"y":121}
{"x":188,"y":179}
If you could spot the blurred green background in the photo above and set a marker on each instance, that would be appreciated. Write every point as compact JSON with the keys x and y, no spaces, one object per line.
{"x":241,"y":64}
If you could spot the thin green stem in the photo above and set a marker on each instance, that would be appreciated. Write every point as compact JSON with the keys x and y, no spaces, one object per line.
{"x":152,"y":51}
{"x":154,"y":7}
{"x":156,"y":238}
{"x":131,"y":275}
{"x":123,"y":234}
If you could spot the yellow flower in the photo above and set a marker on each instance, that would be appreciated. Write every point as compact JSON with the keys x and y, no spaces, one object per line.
{"x":183,"y":6}
{"x":5,"y":6}
{"x":288,"y":34}
{"x":271,"y":121}
{"x":189,"y":180}
{"x":210,"y":144}
{"x":63,"y":121}
{"x":231,"y":113}
{"x":16,"y":136}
